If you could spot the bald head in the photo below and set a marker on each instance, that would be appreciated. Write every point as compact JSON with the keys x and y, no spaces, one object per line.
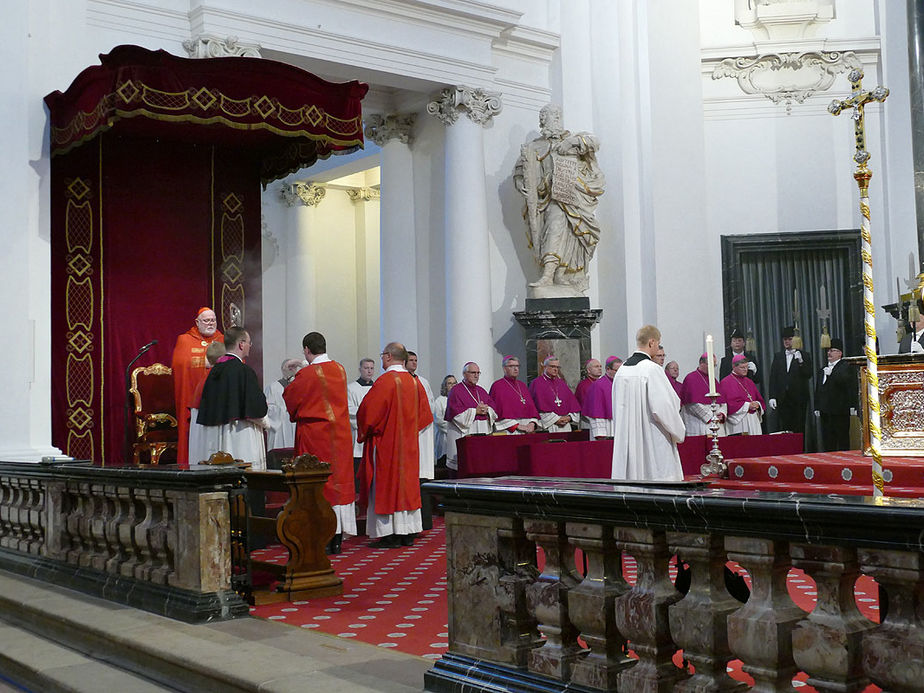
{"x":394,"y":354}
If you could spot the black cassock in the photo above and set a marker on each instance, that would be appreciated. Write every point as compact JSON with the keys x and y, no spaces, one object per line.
{"x":231,"y":392}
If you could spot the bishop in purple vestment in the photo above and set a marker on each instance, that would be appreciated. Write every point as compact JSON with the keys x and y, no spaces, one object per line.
{"x":558,"y":407}
{"x":696,"y":405}
{"x":469,"y":411}
{"x":745,"y":405}
{"x":598,"y":405}
{"x":516,"y":411}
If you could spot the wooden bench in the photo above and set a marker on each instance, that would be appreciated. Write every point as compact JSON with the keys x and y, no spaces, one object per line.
{"x":304,"y":526}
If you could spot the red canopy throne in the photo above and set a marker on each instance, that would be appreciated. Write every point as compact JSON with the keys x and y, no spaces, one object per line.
{"x":157,"y":163}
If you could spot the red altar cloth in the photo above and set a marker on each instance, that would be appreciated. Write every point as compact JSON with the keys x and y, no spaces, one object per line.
{"x":538,"y":455}
{"x":498,"y":455}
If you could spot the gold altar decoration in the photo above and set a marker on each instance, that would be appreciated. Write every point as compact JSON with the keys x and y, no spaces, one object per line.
{"x":901,"y":400}
{"x":856,"y":103}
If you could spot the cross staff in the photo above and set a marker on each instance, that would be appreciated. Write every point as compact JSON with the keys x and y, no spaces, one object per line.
{"x":857,"y":101}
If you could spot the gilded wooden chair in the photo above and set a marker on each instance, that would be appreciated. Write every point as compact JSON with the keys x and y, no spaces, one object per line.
{"x":154,"y":412}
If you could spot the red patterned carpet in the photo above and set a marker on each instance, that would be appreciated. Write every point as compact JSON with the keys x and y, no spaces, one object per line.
{"x":396,"y":598}
{"x":391,"y":597}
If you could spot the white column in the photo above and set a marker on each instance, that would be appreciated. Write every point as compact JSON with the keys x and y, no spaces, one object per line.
{"x":468,"y":262}
{"x":25,"y":415}
{"x":301,"y":300}
{"x":398,"y":318}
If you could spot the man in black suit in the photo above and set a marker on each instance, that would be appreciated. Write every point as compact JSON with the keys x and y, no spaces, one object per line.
{"x":737,"y":347}
{"x":790,"y":373}
{"x":836,"y":398}
{"x":913,"y":341}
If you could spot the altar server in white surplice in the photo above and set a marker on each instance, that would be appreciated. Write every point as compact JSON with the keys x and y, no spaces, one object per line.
{"x":280,"y":433}
{"x":356,"y":390}
{"x":425,"y":438}
{"x":646,"y":416}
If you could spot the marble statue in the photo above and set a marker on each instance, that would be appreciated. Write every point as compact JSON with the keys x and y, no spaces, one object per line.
{"x":559,"y":176}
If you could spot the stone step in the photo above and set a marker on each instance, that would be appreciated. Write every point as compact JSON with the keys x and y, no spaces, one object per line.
{"x":245,"y":654}
{"x":38,"y":664}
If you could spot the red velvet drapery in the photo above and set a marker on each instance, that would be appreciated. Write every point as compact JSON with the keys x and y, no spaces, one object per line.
{"x":293,"y":117}
{"x":156,"y":211}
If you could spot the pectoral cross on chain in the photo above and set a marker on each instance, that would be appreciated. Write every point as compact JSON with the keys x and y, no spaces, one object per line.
{"x":557,"y":400}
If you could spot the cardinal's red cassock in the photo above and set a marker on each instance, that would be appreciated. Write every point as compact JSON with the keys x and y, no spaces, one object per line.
{"x":189,"y":371}
{"x":317,"y":402}
{"x":389,"y":420}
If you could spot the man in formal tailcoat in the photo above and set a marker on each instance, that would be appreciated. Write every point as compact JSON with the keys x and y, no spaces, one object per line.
{"x":790,"y":373}
{"x":836,"y":397}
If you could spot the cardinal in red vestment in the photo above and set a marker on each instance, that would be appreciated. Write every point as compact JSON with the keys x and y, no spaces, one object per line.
{"x":389,"y":419}
{"x":189,"y":370}
{"x":317,"y":402}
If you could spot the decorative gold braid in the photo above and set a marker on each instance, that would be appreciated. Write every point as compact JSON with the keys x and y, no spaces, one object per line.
{"x":878,"y":482}
{"x":864,"y":210}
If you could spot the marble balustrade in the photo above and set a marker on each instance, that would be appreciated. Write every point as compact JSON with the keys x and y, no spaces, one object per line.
{"x":155,"y":538}
{"x":514,"y":625}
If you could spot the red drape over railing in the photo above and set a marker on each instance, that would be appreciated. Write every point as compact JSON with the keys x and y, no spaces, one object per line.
{"x":293,"y":116}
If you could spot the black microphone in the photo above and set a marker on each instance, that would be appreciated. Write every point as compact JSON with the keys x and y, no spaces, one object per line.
{"x":147,"y":346}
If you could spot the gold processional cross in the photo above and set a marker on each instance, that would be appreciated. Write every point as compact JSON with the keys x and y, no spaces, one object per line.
{"x":857,"y":101}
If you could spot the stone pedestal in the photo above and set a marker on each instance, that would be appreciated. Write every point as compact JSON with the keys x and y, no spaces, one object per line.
{"x":559,"y":326}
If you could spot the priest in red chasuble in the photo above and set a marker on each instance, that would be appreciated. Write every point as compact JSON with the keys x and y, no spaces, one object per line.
{"x":189,"y":370}
{"x":389,"y":420}
{"x":317,"y":403}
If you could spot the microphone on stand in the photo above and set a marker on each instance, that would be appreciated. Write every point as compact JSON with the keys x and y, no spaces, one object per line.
{"x":129,"y":401}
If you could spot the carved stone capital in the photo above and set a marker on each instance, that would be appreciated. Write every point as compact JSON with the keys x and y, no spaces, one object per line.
{"x":394,"y":126}
{"x":785,"y":78}
{"x":364,"y":194}
{"x":302,"y":194}
{"x":479,"y":105}
{"x":208,"y":46}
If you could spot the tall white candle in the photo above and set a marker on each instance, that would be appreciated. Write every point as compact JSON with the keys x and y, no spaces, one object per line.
{"x":710,"y":363}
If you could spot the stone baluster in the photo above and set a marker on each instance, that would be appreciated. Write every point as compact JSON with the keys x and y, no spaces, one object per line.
{"x":99,"y":516}
{"x":892,"y":653}
{"x":760,"y":632}
{"x":642,"y":613}
{"x":10,"y":539}
{"x":36,"y":515}
{"x":134,"y":514}
{"x":117,"y":499}
{"x":6,"y":493}
{"x":144,"y":566}
{"x":699,"y":620}
{"x":159,"y":538}
{"x":16,"y":516}
{"x":591,"y":606}
{"x":76,"y":512}
{"x":548,"y":601}
{"x":826,"y":644}
{"x":517,"y":566}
